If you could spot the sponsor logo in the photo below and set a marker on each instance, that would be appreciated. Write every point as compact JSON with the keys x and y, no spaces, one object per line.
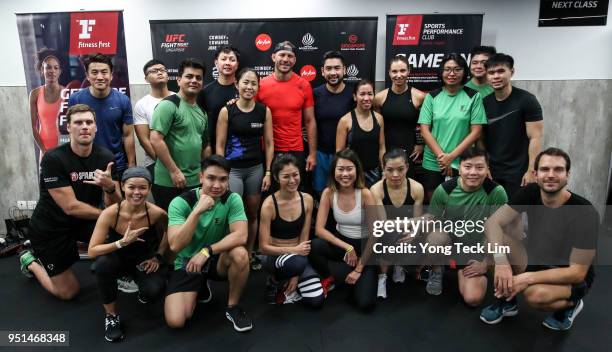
{"x":215,"y":73}
{"x":308,"y":72}
{"x":407,"y":30}
{"x":256,"y":125}
{"x":352,"y":44}
{"x":175,"y":42}
{"x":263,"y":71}
{"x":351,"y":73}
{"x":263,"y":42}
{"x":86,"y":28}
{"x":217,"y":221}
{"x":83,"y":175}
{"x":93,"y":32}
{"x":50,"y":179}
{"x":50,"y":266}
{"x":216,"y":40}
{"x":308,"y":40}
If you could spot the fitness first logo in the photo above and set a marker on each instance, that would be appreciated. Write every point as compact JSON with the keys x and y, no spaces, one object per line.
{"x":307,"y":41}
{"x":93,"y":32}
{"x":83,"y":175}
{"x":175,"y":43}
{"x":351,"y":73}
{"x":352,"y":44}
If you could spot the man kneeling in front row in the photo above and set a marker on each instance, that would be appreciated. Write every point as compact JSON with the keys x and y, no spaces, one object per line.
{"x":207,"y":227}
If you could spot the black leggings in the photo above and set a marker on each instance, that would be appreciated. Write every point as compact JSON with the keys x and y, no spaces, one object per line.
{"x":364,"y":290}
{"x":111,"y":266}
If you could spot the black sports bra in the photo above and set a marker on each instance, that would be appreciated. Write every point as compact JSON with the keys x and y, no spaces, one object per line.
{"x":138,"y":249}
{"x":286,"y":230}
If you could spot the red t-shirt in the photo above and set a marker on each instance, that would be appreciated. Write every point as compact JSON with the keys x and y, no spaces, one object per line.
{"x":286,"y":100}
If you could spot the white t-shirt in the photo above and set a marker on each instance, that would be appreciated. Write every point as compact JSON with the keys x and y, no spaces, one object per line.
{"x":143,"y":115}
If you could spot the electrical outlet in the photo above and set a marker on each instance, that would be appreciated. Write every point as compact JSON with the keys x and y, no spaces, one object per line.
{"x":31,"y":204}
{"x":22,"y":205}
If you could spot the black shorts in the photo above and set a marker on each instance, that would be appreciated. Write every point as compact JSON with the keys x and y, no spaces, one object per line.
{"x":182,"y":281}
{"x":432,"y":179}
{"x":579,"y":290}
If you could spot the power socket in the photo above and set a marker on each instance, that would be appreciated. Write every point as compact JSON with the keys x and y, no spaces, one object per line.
{"x":31,"y":204}
{"x":22,"y":205}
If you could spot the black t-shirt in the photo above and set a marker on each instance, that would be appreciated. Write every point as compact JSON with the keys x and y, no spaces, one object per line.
{"x":244,"y":133}
{"x":553,"y":232}
{"x":329,"y":108}
{"x":61,"y":167}
{"x":211,"y":99}
{"x":506,"y":134}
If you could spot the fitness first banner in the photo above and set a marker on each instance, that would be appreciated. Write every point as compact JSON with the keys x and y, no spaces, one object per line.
{"x":355,"y":38}
{"x":53,"y":47}
{"x":425,"y":39}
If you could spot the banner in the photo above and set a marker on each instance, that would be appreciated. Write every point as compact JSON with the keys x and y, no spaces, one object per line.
{"x":53,"y":47}
{"x":355,"y":38}
{"x":562,"y":13}
{"x":426,"y":39}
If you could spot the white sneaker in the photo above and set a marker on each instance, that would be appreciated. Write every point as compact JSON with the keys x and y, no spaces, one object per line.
{"x":127,"y":285}
{"x":399,"y":275}
{"x":382,"y":286}
{"x":292,"y":297}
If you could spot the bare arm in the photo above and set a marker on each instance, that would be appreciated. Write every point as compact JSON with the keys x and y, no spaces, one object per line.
{"x":535,"y":131}
{"x":97,"y":247}
{"x":320,"y":229}
{"x":221,"y":132}
{"x":418,"y":194}
{"x":430,"y":140}
{"x":34,"y":118}
{"x":268,"y":139}
{"x":379,"y":100}
{"x":162,"y":151}
{"x":417,"y":97}
{"x":470,"y":139}
{"x":342,"y":132}
{"x":64,"y":197}
{"x":236,"y":237}
{"x":381,"y":139}
{"x":129,"y":144}
{"x":311,"y":129}
{"x":143,"y":132}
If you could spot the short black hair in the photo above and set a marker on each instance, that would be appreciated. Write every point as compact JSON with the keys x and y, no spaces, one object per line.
{"x":281,"y":161}
{"x":215,"y":160}
{"x":244,"y":71}
{"x":500,"y":59}
{"x":460,"y":61}
{"x":226,"y":49}
{"x":150,"y":63}
{"x":473,"y":152}
{"x":362,"y":82}
{"x":193,"y":63}
{"x":98,"y":58}
{"x":552,"y":151}
{"x":483,"y":49}
{"x":395,"y":153}
{"x":333,"y":55}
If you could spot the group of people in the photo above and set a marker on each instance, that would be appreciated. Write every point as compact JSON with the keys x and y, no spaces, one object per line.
{"x":213,"y":151}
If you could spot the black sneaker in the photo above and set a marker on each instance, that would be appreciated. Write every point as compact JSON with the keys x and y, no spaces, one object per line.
{"x":112,"y":328}
{"x":239,"y":318}
{"x":204,"y":294}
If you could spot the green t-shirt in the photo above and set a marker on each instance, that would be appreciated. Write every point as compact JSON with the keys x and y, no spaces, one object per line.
{"x":185,"y":130}
{"x":451,"y":202}
{"x":212,"y":226}
{"x":484,"y":89}
{"x":450,"y":118}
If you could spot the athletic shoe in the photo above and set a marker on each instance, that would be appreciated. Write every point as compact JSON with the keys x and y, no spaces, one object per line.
{"x":204,"y":294}
{"x":564,"y":319}
{"x":112,"y":328}
{"x":328,"y":285}
{"x":422,"y":273}
{"x":255,"y":262}
{"x":291,"y":298}
{"x":83,"y":250}
{"x":494,"y":313}
{"x":239,"y":318}
{"x":25,"y":259}
{"x":127,"y":285}
{"x":434,"y":283}
{"x":399,"y":274}
{"x":272,"y":291}
{"x":382,"y":286}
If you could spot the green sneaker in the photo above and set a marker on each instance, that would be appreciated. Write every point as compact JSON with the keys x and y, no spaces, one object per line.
{"x":25,"y":259}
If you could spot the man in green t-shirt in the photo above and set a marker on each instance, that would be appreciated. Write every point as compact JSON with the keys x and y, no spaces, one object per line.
{"x":179,"y":136}
{"x":470,"y":197}
{"x":207,"y":228}
{"x":478,"y":59}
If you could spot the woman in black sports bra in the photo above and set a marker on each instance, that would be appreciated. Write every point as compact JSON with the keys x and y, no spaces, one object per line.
{"x":130,"y":238}
{"x":283,"y":239}
{"x":395,"y":191}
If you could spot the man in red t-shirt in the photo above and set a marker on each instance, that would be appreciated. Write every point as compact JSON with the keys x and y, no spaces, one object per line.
{"x":289,"y":97}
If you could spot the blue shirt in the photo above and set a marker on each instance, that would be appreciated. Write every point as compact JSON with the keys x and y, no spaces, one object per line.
{"x":329,"y":108}
{"x":112,"y":112}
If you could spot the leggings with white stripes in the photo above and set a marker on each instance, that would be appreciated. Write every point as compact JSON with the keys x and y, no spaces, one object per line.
{"x":286,"y":266}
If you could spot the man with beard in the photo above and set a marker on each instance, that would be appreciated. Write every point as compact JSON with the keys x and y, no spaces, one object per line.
{"x":332,"y":100}
{"x":217,"y":93}
{"x":553,"y":269}
{"x":478,"y":59}
{"x":179,"y":136}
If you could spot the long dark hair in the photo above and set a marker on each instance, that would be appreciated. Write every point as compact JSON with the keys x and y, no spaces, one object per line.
{"x":351,"y":156}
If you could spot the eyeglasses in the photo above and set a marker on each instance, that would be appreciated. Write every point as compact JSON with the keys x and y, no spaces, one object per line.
{"x":157,"y":70}
{"x":453,"y":70}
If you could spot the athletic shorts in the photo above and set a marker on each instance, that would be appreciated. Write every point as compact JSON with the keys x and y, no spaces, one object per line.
{"x":182,"y":281}
{"x":321,"y":172}
{"x":432,"y":179}
{"x":246,"y":181}
{"x":579,"y":290}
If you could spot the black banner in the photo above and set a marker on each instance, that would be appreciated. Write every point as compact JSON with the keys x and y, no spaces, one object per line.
{"x":355,"y":38}
{"x":562,"y":13}
{"x":425,"y":39}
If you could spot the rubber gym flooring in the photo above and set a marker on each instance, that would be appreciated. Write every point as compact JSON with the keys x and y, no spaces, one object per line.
{"x":409,"y":320}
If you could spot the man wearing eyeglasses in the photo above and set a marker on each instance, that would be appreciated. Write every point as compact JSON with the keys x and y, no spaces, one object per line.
{"x":157,"y":76}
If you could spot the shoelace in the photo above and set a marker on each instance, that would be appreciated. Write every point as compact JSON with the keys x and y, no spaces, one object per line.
{"x":112,"y":321}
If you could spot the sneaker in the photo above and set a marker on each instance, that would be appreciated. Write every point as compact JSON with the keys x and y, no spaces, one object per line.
{"x":272,"y":291}
{"x":382,"y":286}
{"x":25,"y":259}
{"x":564,"y":319}
{"x":239,"y":318}
{"x":291,"y":298}
{"x":255,"y":262}
{"x":83,"y":249}
{"x":399,"y":274}
{"x":494,"y":313}
{"x":434,"y":283}
{"x":204,"y":294}
{"x":422,"y":273}
{"x":328,"y":285}
{"x":127,"y":285}
{"x":112,"y":328}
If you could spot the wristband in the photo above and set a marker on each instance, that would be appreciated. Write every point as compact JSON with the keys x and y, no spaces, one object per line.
{"x":118,"y":244}
{"x":159,"y":257}
{"x":358,"y":272}
{"x":268,"y":173}
{"x":349,"y":249}
{"x":207,"y":251}
{"x":111,"y":191}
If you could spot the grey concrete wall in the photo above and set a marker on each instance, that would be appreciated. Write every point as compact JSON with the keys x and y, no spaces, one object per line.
{"x":577,"y":115}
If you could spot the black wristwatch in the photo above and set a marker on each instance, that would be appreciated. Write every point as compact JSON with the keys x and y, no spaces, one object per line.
{"x":111,"y":191}
{"x":159,"y":257}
